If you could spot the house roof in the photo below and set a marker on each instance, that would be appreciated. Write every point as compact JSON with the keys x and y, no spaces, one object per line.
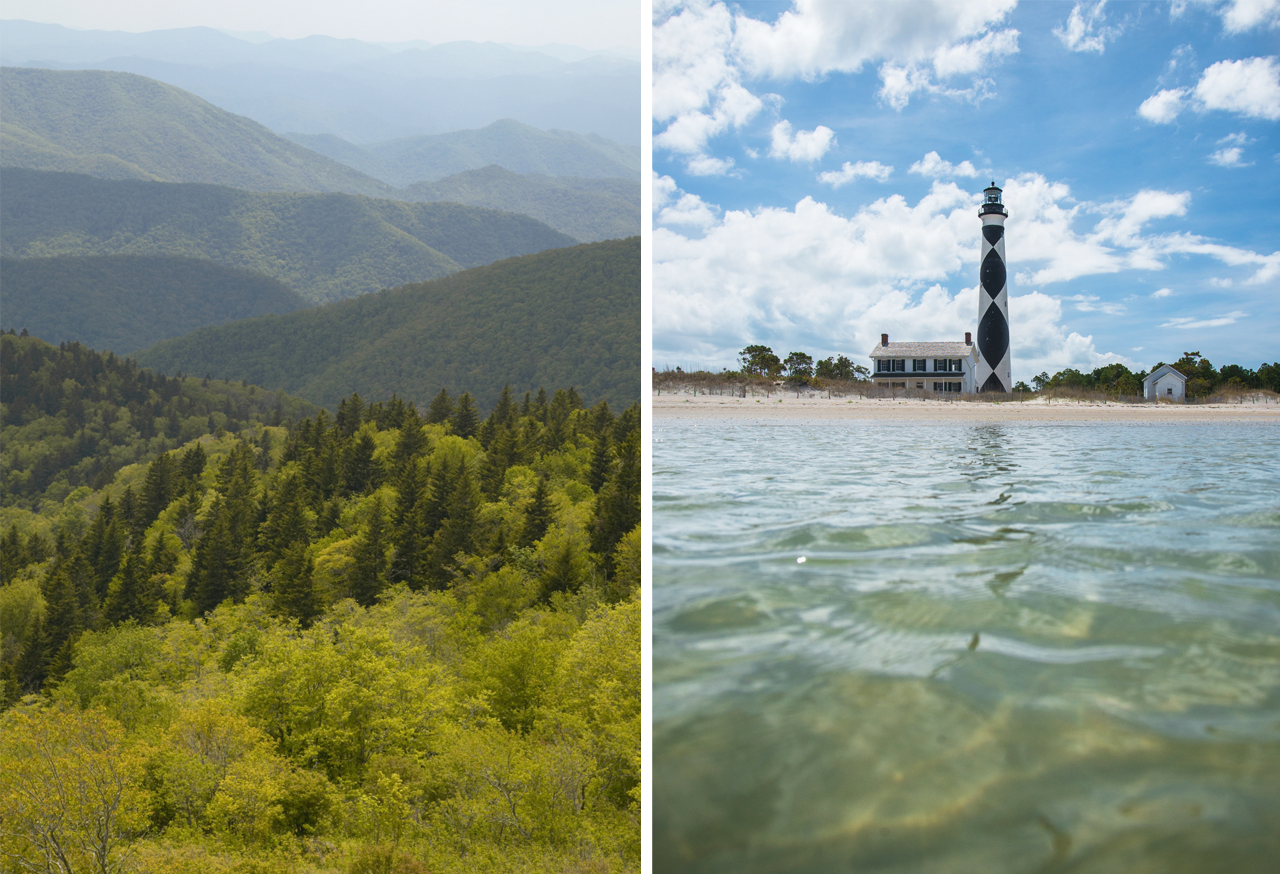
{"x":1161,"y":371}
{"x":921,"y":350}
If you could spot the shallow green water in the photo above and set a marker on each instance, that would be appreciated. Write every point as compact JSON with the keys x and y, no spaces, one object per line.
{"x":1033,"y":648}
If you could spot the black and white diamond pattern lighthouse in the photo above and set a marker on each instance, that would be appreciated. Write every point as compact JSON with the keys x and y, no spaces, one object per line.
{"x":994,"y":356}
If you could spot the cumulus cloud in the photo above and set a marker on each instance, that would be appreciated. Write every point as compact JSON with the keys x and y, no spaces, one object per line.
{"x":851,"y":171}
{"x":1084,"y":30}
{"x":933,"y":166}
{"x":1229,"y":157}
{"x":806,"y":146}
{"x":1162,"y":292}
{"x":1163,"y":106}
{"x":705,"y":55}
{"x":1220,"y":321}
{"x":1091,"y":303}
{"x":1220,"y":282}
{"x":1249,"y":87}
{"x":671,"y":206}
{"x":1238,"y":16}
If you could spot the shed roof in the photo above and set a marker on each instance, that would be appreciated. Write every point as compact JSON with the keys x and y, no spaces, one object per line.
{"x":1161,"y":371}
{"x":921,"y":350}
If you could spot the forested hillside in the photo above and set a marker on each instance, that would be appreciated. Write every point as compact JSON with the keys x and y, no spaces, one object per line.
{"x":563,"y":317}
{"x":126,"y":302}
{"x":585,"y":214}
{"x":507,"y":143}
{"x":122,"y":126}
{"x":385,"y":640}
{"x":324,"y":246}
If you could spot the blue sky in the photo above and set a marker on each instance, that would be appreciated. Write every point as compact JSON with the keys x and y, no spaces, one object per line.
{"x":818,"y":168}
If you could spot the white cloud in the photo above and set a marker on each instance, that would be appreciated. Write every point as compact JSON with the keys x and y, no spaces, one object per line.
{"x":1218,"y":282}
{"x":807,"y":146}
{"x":1164,"y":106}
{"x":1162,"y":292}
{"x":933,"y":166}
{"x":1220,"y":321}
{"x":1238,"y":16}
{"x":850,"y":171}
{"x":1228,"y":158}
{"x":672,"y":206}
{"x":1089,"y":303}
{"x":1084,"y":30}
{"x":1250,"y":87}
{"x":704,"y":54}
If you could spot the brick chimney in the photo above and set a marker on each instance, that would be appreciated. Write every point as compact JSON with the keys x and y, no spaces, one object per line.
{"x":884,"y":339}
{"x":968,"y":338}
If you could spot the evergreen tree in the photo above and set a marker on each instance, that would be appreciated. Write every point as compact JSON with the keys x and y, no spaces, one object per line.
{"x":132,"y":594}
{"x":457,"y":533}
{"x":218,"y":570}
{"x":286,"y":523}
{"x":538,"y":515}
{"x":600,"y":463}
{"x":465,"y":418}
{"x":13,"y":555}
{"x":360,"y":472}
{"x":191,"y":467}
{"x":63,"y":623}
{"x":500,"y":457}
{"x":441,"y":409}
{"x":350,"y":415}
{"x":368,"y":576}
{"x":618,"y":504}
{"x":539,"y":408}
{"x":409,"y":540}
{"x":293,"y":588}
{"x":157,"y":490}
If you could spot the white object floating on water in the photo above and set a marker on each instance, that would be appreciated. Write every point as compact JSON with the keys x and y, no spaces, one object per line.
{"x":800,"y":560}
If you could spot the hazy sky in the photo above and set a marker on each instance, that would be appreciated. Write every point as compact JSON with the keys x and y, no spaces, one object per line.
{"x":593,"y":24}
{"x":819,"y":167}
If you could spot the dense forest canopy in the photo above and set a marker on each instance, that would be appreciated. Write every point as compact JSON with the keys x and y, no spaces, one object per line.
{"x":390,"y":639}
{"x":127,"y":302}
{"x":324,"y":246}
{"x":565,"y":317}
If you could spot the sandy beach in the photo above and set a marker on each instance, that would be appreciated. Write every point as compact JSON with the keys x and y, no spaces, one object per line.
{"x":785,"y":407}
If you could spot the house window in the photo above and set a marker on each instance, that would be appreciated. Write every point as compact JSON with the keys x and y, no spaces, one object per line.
{"x":955,"y":386}
{"x":919,"y":385}
{"x":937,"y":386}
{"x":1169,"y":390}
{"x":940,"y":365}
{"x":919,"y":365}
{"x":883,"y":365}
{"x":957,"y":365}
{"x":900,"y":366}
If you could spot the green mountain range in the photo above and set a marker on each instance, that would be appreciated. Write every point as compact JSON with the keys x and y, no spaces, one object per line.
{"x":557,"y":318}
{"x":122,"y":126}
{"x":127,"y":302}
{"x":325,"y":246}
{"x":586,"y":209}
{"x":508,"y":143}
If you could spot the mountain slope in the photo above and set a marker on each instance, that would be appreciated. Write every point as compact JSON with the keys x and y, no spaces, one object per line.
{"x":586,"y":215}
{"x":325,"y":246}
{"x":558,"y":318}
{"x":122,"y":126}
{"x":507,"y":143}
{"x":126,"y":302}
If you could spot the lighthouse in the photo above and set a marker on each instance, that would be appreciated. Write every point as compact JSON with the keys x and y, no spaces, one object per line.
{"x":994,"y":357}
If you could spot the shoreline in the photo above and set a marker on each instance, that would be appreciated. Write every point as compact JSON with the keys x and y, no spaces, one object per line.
{"x":784,"y":409}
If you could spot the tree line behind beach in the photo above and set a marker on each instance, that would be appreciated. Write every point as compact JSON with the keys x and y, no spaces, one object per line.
{"x":759,"y":363}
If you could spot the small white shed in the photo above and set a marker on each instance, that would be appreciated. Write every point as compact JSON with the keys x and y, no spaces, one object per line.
{"x":1165,"y":383}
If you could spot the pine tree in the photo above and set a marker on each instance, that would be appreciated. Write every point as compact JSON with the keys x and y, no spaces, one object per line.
{"x":217,"y":572}
{"x":538,"y":515}
{"x":286,"y":522}
{"x":410,"y":541}
{"x":457,"y":533}
{"x":539,"y":408}
{"x":600,"y":463}
{"x":465,"y":418}
{"x":157,"y":490}
{"x":441,"y":409}
{"x":497,"y":460}
{"x":368,"y":576}
{"x":132,"y":594}
{"x":63,"y":623}
{"x":360,"y":472}
{"x":293,"y":588}
{"x":618,"y":504}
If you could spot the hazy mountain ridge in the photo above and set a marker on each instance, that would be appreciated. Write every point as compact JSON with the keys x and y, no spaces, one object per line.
{"x":325,"y":246}
{"x":585,"y":214}
{"x":508,"y":143}
{"x":124,"y":303}
{"x":575,"y":312}
{"x":119,"y":125}
{"x":363,"y":92}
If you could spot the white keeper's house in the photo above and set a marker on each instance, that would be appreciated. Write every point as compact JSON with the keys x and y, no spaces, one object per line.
{"x":1165,"y":383}
{"x":938,"y":367}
